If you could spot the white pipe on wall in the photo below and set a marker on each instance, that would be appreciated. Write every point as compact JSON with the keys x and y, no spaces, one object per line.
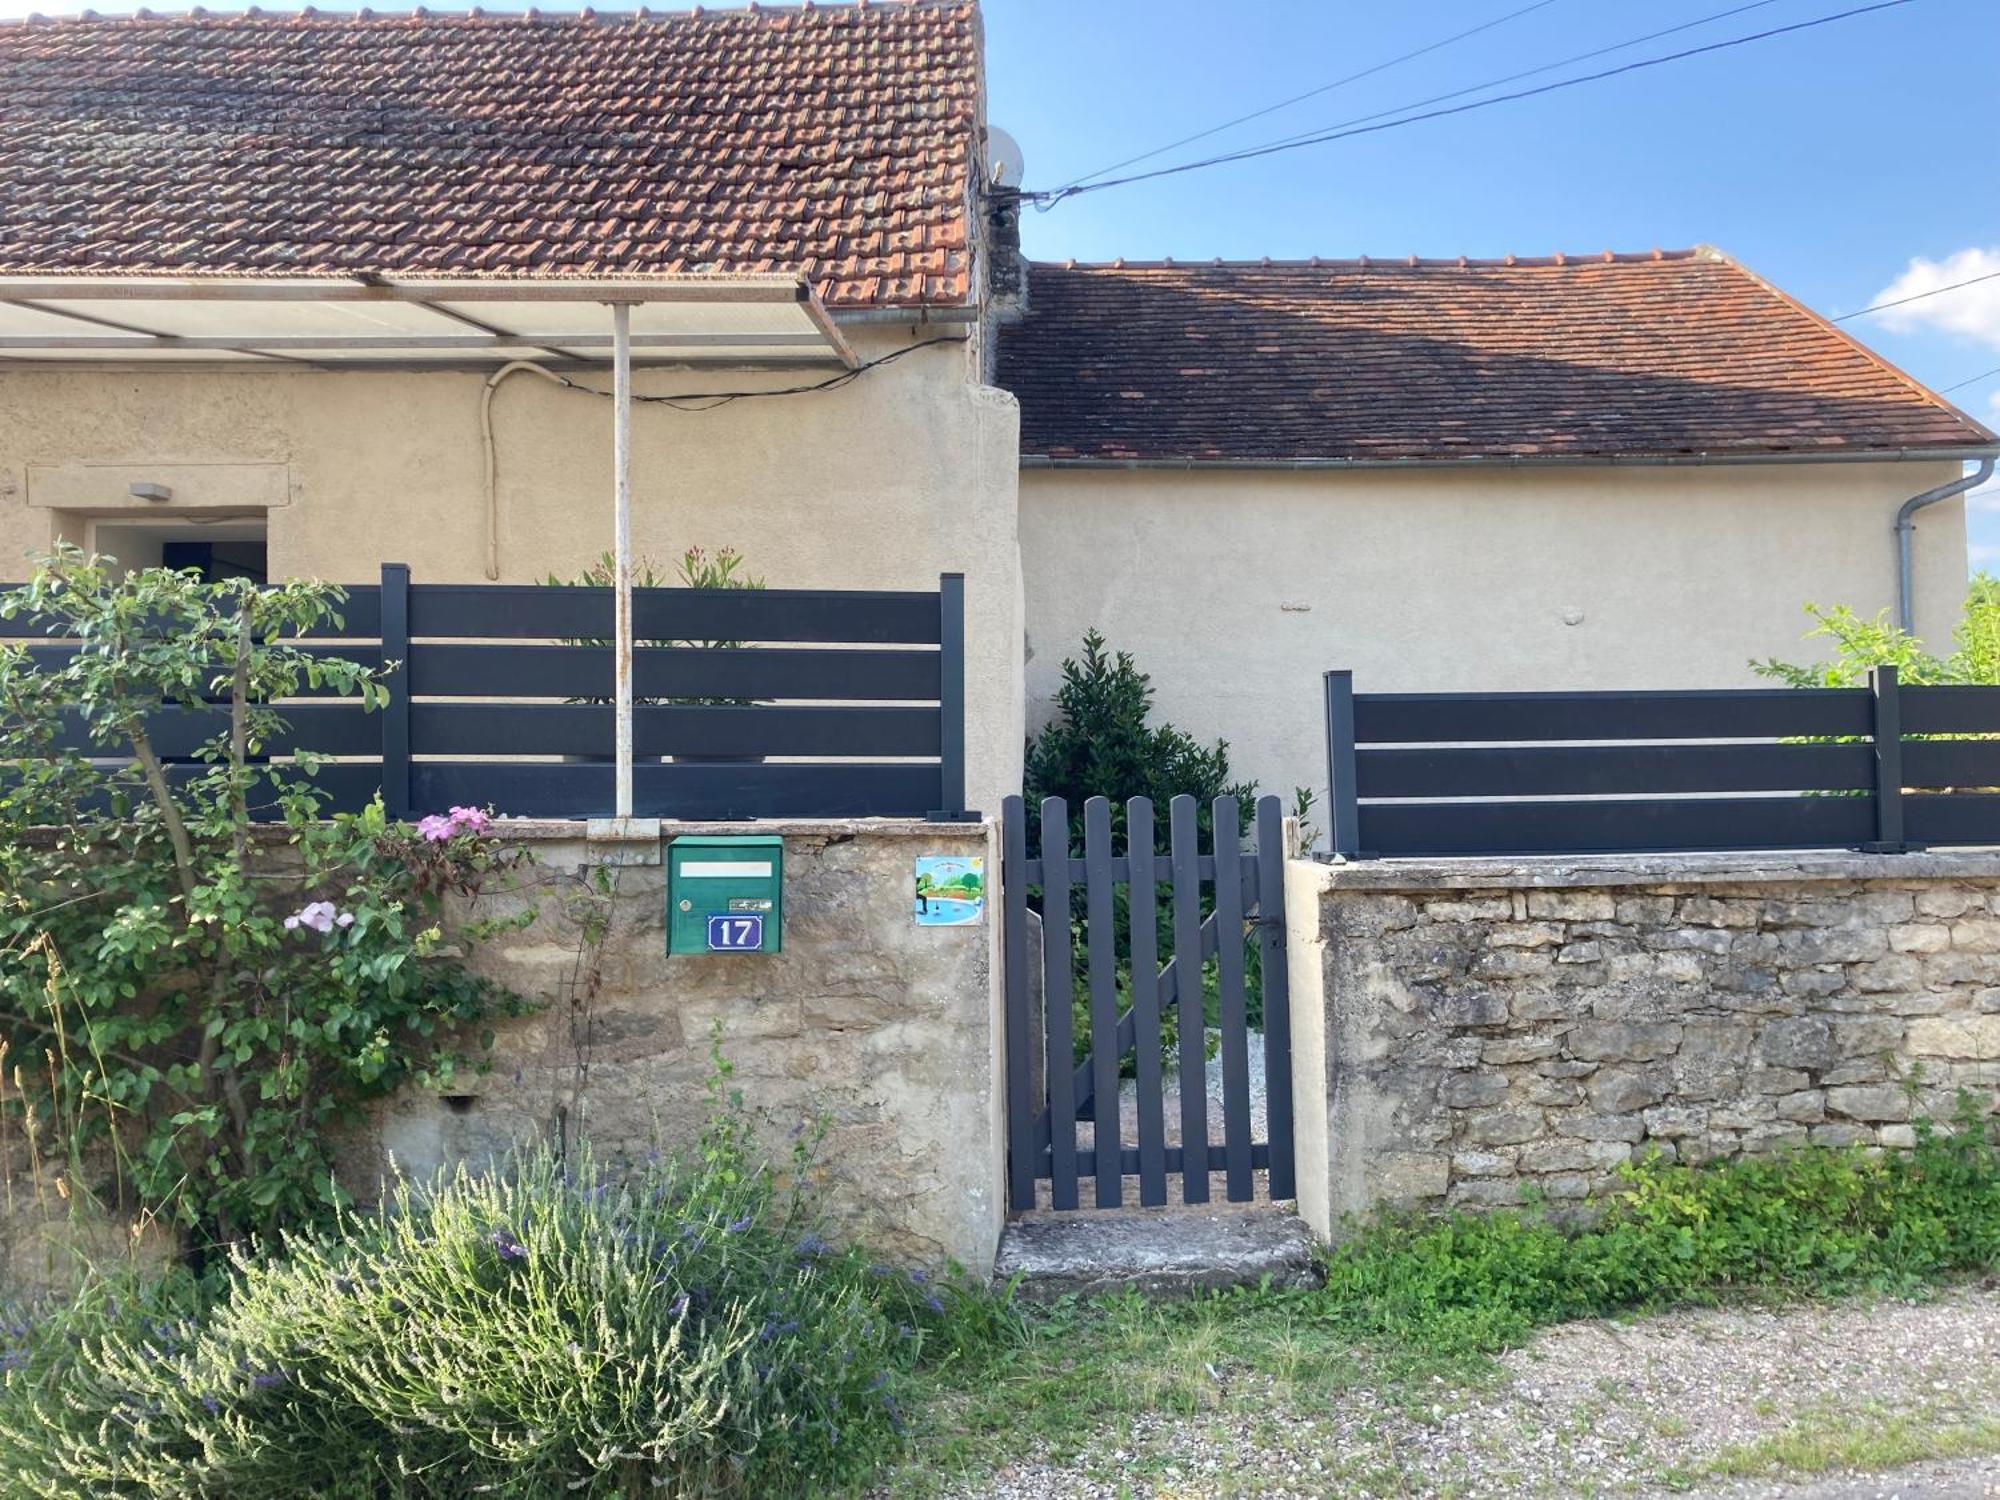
{"x":621,"y":467}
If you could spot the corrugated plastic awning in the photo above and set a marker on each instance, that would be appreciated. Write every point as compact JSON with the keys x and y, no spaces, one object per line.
{"x":676,"y":319}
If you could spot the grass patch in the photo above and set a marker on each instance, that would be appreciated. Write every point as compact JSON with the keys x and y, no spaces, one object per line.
{"x":1414,"y":1309}
{"x":1863,"y":1441}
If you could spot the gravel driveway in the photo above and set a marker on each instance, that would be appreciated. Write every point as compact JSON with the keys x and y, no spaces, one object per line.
{"x":1731,"y":1405}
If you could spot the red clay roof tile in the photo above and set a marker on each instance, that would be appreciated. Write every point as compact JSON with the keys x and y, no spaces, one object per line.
{"x":792,"y":139}
{"x":1660,"y":354}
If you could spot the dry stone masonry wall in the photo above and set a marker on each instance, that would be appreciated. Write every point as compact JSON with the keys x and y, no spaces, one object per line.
{"x":1485,"y":1027}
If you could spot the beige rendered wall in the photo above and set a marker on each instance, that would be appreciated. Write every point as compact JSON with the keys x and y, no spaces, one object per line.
{"x":1236,"y":589}
{"x":905,"y":473}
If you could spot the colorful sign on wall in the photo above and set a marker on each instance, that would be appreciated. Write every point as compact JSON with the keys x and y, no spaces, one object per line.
{"x":951,"y":890}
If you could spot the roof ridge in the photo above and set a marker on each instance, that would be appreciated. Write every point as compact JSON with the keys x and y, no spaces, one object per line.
{"x":1376,"y":262}
{"x":1866,"y":351}
{"x":584,"y":15}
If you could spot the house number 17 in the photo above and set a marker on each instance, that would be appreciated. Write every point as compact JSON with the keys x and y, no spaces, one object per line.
{"x":735,"y":934}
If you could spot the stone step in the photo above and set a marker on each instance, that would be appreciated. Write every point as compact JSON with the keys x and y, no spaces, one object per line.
{"x":1163,"y":1252}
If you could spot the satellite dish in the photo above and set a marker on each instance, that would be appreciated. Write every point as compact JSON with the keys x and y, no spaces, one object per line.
{"x":1004,"y":163}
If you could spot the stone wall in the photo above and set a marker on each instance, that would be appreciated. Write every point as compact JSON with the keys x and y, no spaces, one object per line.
{"x":1467,"y":1027}
{"x":887,"y":1030}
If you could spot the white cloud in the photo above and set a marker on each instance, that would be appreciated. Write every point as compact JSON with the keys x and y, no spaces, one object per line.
{"x":1972,"y":311}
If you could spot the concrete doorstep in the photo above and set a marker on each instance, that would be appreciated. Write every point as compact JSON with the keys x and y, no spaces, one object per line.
{"x":1159,"y":1252}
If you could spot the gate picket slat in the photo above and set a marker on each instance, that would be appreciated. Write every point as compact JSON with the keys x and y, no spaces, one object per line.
{"x":1014,"y":959}
{"x":1277,"y":996}
{"x":1184,"y":838}
{"x":1058,"y":995}
{"x":1235,"y":1002}
{"x":1146,"y":1004}
{"x":1101,"y":919}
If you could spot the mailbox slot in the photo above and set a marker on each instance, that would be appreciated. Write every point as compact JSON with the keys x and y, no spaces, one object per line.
{"x":726,"y":894}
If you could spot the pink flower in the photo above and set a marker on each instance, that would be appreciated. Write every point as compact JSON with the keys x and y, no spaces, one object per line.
{"x":320,"y":916}
{"x":439,"y":827}
{"x":470,"y":820}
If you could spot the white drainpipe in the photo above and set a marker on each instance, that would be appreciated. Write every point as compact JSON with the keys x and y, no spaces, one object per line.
{"x":1906,"y":526}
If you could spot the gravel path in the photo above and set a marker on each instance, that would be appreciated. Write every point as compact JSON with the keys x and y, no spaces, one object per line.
{"x":1734,"y":1405}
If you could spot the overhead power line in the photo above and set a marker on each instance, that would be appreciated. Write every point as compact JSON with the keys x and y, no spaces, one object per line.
{"x":1049,"y":198}
{"x":1325,"y":88}
{"x":1548,"y":67}
{"x":1915,"y":297}
{"x":1982,"y":375}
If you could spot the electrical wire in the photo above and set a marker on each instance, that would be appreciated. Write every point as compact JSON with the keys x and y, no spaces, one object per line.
{"x":1562,"y":62}
{"x":683,"y":400}
{"x":1915,"y":297}
{"x":1049,"y":198}
{"x":1325,"y":88}
{"x":1946,"y":390}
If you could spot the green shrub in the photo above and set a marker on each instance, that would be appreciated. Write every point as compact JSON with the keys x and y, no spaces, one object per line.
{"x":1814,"y":1220}
{"x":1859,"y":643}
{"x":673,"y":1326}
{"x":197,"y":1010}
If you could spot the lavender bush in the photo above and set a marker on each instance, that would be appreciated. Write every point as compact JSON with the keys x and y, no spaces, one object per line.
{"x":674,"y":1326}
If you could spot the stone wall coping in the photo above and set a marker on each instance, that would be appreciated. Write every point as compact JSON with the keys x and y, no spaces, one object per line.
{"x":569,"y":830}
{"x":576,"y":830}
{"x":1610,"y":870}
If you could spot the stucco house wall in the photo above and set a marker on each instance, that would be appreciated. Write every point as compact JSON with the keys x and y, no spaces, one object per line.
{"x":902,"y":474}
{"x":1237,"y":588}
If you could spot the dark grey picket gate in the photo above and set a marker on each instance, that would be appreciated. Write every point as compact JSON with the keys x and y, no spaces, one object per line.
{"x":1045,"y":1104}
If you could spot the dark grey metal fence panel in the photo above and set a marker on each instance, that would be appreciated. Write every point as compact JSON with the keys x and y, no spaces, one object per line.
{"x":1233,"y":1002}
{"x":820,"y":731}
{"x":1888,"y":748}
{"x":365,"y":653}
{"x":1951,"y":710}
{"x":864,"y":728}
{"x":680,"y":790}
{"x":1733,"y":713}
{"x":397,"y":792}
{"x":1961,"y":764}
{"x":1479,"y":774}
{"x":1101,"y":938}
{"x":1148,"y":1074}
{"x":1612,"y":827}
{"x":180,"y":733}
{"x":1182,"y":837}
{"x":1014,"y":978}
{"x":478,"y":671}
{"x":1954,"y":818}
{"x":1058,"y":996}
{"x":1601,"y":770}
{"x":951,"y":696}
{"x":1248,"y":899}
{"x":1271,"y":949}
{"x":360,"y":615}
{"x":535,"y":610}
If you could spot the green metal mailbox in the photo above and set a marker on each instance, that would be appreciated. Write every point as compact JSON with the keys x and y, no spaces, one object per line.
{"x":726,"y":894}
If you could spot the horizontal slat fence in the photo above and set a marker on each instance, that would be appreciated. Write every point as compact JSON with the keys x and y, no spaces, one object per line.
{"x":755,"y":703}
{"x":1609,"y":772}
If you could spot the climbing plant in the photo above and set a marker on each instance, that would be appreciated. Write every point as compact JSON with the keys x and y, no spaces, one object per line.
{"x":201,"y":977}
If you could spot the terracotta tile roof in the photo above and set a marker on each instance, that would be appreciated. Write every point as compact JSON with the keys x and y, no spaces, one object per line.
{"x":1660,"y":354}
{"x":834,"y":139}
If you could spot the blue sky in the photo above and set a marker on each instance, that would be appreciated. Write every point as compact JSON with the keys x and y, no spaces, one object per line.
{"x":1847,"y":163}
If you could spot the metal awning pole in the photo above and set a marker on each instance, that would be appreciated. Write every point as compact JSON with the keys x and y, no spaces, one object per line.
{"x":621,"y":465}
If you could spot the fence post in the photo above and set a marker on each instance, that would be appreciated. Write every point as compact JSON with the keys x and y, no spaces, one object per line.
{"x":1343,"y":799}
{"x":396,"y":714}
{"x":951,"y":700}
{"x":1888,"y":737}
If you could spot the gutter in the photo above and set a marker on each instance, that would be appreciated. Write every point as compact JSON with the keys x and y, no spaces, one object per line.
{"x":1906,"y":527}
{"x":1984,"y":455}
